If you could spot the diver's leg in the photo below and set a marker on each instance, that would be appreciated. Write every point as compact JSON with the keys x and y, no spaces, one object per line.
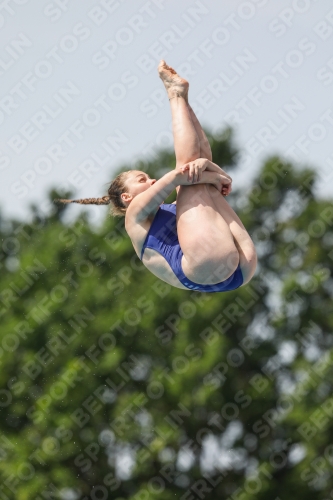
{"x":205,"y":149}
{"x":243,"y":241}
{"x":186,"y":140}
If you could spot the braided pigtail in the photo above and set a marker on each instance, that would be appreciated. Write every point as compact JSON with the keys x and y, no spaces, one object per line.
{"x":116,"y":189}
{"x":105,"y":200}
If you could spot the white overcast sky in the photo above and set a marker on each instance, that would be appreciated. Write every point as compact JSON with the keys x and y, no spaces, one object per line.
{"x":80,"y":94}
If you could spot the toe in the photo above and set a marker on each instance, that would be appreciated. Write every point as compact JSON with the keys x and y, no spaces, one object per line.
{"x":162,"y":68}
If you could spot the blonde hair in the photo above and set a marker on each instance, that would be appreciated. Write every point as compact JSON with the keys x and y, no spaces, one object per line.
{"x":113,"y":198}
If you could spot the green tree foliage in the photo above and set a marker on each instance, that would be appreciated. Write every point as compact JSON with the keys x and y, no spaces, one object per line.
{"x":116,"y":385}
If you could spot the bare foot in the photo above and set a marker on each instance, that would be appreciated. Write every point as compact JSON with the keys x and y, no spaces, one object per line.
{"x":174,"y":84}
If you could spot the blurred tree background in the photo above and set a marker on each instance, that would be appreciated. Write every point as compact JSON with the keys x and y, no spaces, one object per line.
{"x":116,"y":385}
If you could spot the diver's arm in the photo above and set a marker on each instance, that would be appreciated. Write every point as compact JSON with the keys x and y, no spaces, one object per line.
{"x":146,"y":203}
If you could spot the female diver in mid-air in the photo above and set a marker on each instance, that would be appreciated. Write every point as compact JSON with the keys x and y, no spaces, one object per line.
{"x":198,"y":242}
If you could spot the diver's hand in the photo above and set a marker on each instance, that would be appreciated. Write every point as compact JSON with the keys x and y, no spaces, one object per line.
{"x":194,"y":169}
{"x":223,"y":184}
{"x":220,"y":181}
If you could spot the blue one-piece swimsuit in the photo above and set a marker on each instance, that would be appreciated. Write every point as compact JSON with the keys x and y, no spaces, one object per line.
{"x":162,"y":237}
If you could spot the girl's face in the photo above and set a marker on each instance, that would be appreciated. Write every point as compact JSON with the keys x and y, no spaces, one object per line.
{"x":137,"y":182}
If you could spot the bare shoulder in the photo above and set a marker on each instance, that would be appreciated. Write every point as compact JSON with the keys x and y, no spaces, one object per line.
{"x":137,"y":230}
